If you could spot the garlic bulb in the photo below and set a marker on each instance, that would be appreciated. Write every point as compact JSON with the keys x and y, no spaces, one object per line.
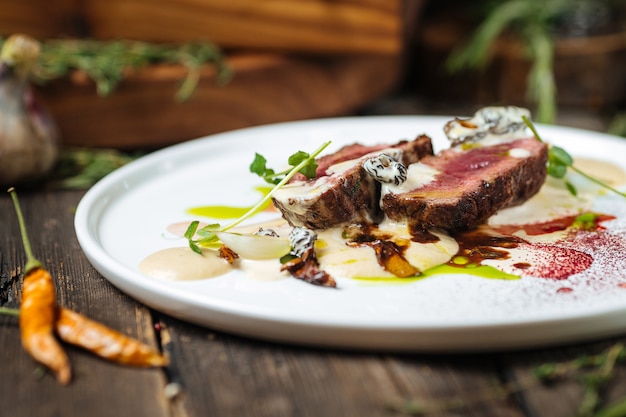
{"x":28,"y":137}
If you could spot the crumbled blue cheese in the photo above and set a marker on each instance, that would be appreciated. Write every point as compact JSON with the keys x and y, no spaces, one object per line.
{"x":266,"y":232}
{"x":300,"y":195}
{"x":384,"y":168}
{"x":301,"y":239}
{"x":418,"y":175}
{"x":489,"y":125}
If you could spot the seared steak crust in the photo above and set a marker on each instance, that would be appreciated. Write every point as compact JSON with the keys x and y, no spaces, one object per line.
{"x":349,"y":196}
{"x":471,"y":186}
{"x":340,"y":199}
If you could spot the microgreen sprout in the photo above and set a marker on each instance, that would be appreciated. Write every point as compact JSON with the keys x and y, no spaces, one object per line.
{"x":306,"y":165}
{"x":302,"y":162}
{"x":559,"y":161}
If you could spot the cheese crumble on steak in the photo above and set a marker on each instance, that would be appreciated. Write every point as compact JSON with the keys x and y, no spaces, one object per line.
{"x":491,"y":164}
{"x":343,"y":192}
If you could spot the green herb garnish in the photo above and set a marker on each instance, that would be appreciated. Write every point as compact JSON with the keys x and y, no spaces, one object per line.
{"x":586,"y":221}
{"x":80,"y":168}
{"x":206,"y":235}
{"x":559,"y":161}
{"x":300,"y":162}
{"x":107,"y":62}
{"x":259,"y":167}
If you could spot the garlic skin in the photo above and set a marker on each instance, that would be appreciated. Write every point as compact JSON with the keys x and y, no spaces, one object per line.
{"x":29,"y":140}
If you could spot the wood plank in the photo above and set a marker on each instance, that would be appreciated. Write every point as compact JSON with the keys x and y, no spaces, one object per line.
{"x":345,"y":26}
{"x":38,"y":18}
{"x":301,"y":26}
{"x":223,"y":374}
{"x":265,"y":88}
{"x":563,"y":396}
{"x":102,"y":388}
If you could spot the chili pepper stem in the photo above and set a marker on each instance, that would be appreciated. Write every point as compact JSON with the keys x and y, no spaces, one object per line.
{"x":31,"y":261}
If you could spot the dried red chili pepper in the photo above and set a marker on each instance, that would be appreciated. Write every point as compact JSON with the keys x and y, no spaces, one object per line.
{"x":105,"y":342}
{"x":38,"y":311}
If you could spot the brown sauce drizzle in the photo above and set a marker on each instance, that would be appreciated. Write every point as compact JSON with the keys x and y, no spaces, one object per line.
{"x":423,"y":236}
{"x":486,"y":242}
{"x":481,"y":244}
{"x":586,"y":221}
{"x":389,"y":254}
{"x":475,"y":246}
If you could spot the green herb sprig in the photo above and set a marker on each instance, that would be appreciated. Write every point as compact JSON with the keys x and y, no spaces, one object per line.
{"x":559,"y":161}
{"x":593,"y":372}
{"x":106,"y":62}
{"x":81,"y":167}
{"x":259,"y":167}
{"x":300,"y":162}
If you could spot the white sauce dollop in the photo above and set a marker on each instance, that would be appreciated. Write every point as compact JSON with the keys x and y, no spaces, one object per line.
{"x":519,"y":153}
{"x":553,"y":201}
{"x":182,"y":264}
{"x":418,"y":175}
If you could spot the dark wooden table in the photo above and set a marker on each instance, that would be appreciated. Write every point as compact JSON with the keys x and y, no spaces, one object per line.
{"x":218,"y":374}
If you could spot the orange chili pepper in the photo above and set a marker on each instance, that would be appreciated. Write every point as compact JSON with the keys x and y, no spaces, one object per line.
{"x":38,"y":311}
{"x":105,"y":342}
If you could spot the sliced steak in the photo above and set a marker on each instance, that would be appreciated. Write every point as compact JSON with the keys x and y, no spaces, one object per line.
{"x":459,"y":189}
{"x":342,"y":192}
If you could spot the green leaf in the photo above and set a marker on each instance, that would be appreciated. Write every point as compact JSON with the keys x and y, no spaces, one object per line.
{"x":561,"y":155}
{"x":557,"y":170}
{"x":278,"y":185}
{"x":305,"y":163}
{"x":259,"y":165}
{"x":191,"y":229}
{"x":586,"y":221}
{"x":208,"y":234}
{"x":297,"y":157}
{"x":194,"y":247}
{"x":310,"y":167}
{"x":571,"y":188}
{"x":208,"y":230}
{"x":559,"y":161}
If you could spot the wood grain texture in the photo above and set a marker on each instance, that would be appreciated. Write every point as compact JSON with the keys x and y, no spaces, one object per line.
{"x":228,"y":375}
{"x":349,"y":26}
{"x":102,"y":388}
{"x":302,"y":26}
{"x":265,"y":88}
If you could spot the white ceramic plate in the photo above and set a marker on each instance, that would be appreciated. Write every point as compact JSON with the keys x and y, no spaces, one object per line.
{"x":122,"y":219}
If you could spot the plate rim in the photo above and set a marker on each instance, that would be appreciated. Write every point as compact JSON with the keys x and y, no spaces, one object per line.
{"x":98,"y":257}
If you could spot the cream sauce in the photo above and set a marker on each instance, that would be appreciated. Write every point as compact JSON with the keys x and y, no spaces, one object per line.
{"x":182,"y":264}
{"x":605,"y":171}
{"x":340,"y":260}
{"x":551,"y":202}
